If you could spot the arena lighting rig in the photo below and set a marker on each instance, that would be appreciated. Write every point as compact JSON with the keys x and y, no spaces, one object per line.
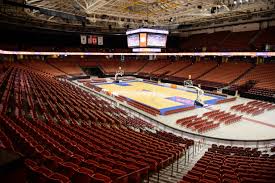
{"x":251,"y":54}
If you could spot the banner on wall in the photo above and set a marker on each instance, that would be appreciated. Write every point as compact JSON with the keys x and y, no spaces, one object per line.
{"x":83,"y":39}
{"x":94,"y":40}
{"x":90,"y":39}
{"x":100,"y":40}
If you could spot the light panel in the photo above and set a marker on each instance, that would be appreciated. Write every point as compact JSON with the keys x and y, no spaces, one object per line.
{"x":154,"y":50}
{"x":146,"y":30}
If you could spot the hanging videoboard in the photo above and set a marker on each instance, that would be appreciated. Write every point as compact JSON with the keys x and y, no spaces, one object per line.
{"x":146,"y":38}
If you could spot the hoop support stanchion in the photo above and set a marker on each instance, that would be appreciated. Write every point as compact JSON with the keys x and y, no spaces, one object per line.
{"x":119,"y":73}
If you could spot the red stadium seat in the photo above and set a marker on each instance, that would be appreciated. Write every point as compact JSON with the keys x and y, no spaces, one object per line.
{"x":83,"y":175}
{"x":68,"y":169}
{"x":99,"y":178}
{"x":58,"y":178}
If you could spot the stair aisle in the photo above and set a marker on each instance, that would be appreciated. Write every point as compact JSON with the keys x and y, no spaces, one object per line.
{"x":183,"y":167}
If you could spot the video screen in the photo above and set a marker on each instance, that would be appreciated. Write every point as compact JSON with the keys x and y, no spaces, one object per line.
{"x":156,"y":40}
{"x":143,"y":40}
{"x":133,"y":40}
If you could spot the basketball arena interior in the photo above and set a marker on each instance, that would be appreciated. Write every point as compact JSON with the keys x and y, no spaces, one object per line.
{"x":137,"y":91}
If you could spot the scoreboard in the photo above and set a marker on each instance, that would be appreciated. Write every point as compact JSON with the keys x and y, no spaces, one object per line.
{"x":147,"y":40}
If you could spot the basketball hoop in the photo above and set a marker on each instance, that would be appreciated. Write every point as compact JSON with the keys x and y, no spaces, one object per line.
{"x":119,"y":73}
{"x":200,"y":92}
{"x":188,"y":83}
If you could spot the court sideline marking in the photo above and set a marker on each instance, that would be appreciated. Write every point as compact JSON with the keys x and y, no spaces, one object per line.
{"x":259,"y":122}
{"x":248,"y":119}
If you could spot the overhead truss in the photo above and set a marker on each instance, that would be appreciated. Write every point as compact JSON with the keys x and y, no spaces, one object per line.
{"x":136,"y":13}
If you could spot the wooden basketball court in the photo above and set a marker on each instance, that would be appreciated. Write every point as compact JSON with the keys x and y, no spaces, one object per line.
{"x":157,"y":96}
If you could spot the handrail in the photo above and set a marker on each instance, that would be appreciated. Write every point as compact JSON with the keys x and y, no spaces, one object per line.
{"x":129,"y":174}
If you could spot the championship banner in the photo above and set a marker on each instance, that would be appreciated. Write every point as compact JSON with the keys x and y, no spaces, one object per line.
{"x":90,"y":39}
{"x":83,"y":39}
{"x":100,"y":40}
{"x":94,"y":40}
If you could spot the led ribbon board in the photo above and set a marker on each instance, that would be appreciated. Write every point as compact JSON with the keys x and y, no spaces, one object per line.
{"x":201,"y":54}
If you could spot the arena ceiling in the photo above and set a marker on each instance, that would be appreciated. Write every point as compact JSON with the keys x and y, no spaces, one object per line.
{"x":162,"y":13}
